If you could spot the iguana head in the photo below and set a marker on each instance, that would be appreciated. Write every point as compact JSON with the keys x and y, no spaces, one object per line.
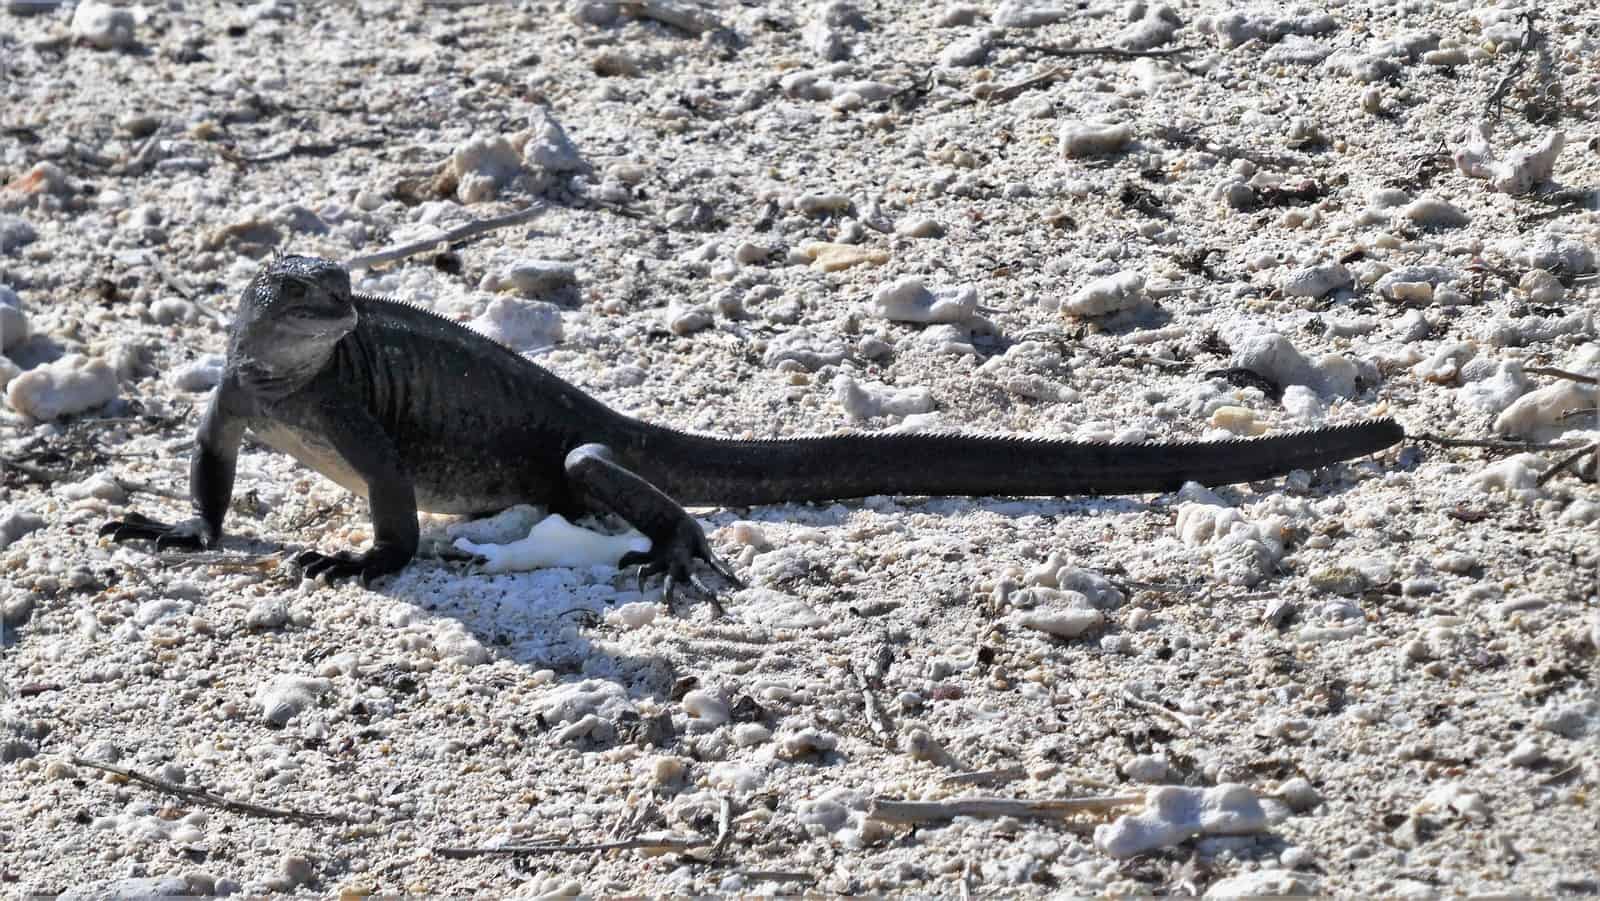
{"x":290,"y":317}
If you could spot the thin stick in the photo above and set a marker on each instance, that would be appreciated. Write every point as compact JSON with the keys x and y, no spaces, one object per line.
{"x":135,"y":486}
{"x":185,"y":290}
{"x":33,"y":473}
{"x":724,"y":827}
{"x":1564,"y":462}
{"x":1107,"y":52}
{"x":986,"y":777}
{"x":225,"y":560}
{"x":1013,"y":91}
{"x":1563,"y":374}
{"x":1497,"y":96}
{"x":664,"y":843}
{"x":1491,"y":443}
{"x":459,"y":233}
{"x":319,"y":150}
{"x":776,"y":876}
{"x":215,"y":800}
{"x":1561,"y":776}
{"x":1134,"y":700}
{"x":889,"y":811}
{"x":875,"y":716}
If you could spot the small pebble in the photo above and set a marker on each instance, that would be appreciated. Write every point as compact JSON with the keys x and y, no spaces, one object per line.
{"x":635,"y":615}
{"x":822,"y":204}
{"x":806,"y":743}
{"x":1147,"y":768}
{"x":1108,"y":295}
{"x":1316,"y":281}
{"x":1541,"y":287}
{"x":1299,"y":794}
{"x":707,"y":707}
{"x":1068,"y":623}
{"x":1431,"y":212}
{"x":266,"y":614}
{"x":483,"y":166}
{"x":750,"y":254}
{"x":668,"y":770}
{"x":103,"y":26}
{"x":285,"y":697}
{"x":297,"y":869}
{"x":1238,"y":420}
{"x":687,"y":320}
{"x":200,"y":375}
{"x":533,"y":278}
{"x":829,"y":257}
{"x":550,"y":151}
{"x":748,"y":735}
{"x":1526,"y":754}
{"x":14,"y":327}
{"x":1084,"y":139}
{"x":922,"y":227}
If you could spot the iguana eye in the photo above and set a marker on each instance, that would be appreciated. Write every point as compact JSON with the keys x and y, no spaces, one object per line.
{"x":292,"y":291}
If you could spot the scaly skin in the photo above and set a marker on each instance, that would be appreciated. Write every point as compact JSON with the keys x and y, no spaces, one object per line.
{"x":416,"y":412}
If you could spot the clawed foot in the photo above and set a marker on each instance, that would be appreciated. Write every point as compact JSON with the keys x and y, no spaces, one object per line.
{"x":190,"y":535}
{"x":673,"y":559}
{"x":367,"y":566}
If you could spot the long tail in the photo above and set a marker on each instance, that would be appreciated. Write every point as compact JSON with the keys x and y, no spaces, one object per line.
{"x":701,"y":469}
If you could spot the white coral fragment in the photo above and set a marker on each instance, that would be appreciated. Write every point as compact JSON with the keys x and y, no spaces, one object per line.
{"x":1519,"y":171}
{"x":556,"y":542}
{"x":910,"y":300}
{"x":1108,"y":295}
{"x":70,"y":385}
{"x":1172,"y":814}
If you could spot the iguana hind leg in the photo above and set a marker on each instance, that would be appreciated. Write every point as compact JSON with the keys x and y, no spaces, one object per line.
{"x":676,"y":540}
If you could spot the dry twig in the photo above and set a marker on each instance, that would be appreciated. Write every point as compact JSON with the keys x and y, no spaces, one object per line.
{"x":1013,"y":91}
{"x":875,"y":715}
{"x":212,"y":798}
{"x":986,"y":777}
{"x":1565,"y":462}
{"x":1134,"y":700}
{"x":724,"y":827}
{"x":776,"y":876}
{"x":1499,"y":444}
{"x":315,"y":149}
{"x":1102,"y":51}
{"x":664,"y":844}
{"x":459,"y":233}
{"x":1578,"y":377}
{"x":32,"y":473}
{"x":890,"y":811}
{"x":1492,"y":106}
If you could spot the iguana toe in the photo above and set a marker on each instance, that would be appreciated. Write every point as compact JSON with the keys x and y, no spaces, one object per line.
{"x":136,"y":526}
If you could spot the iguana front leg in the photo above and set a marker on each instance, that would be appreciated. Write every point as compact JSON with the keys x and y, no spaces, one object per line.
{"x":358,"y":445}
{"x":676,"y":540}
{"x":211,"y":470}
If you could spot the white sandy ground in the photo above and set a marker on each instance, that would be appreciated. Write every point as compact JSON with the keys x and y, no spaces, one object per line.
{"x":1382,"y":674}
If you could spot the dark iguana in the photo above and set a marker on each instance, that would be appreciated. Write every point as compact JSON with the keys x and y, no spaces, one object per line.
{"x":416,"y":412}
